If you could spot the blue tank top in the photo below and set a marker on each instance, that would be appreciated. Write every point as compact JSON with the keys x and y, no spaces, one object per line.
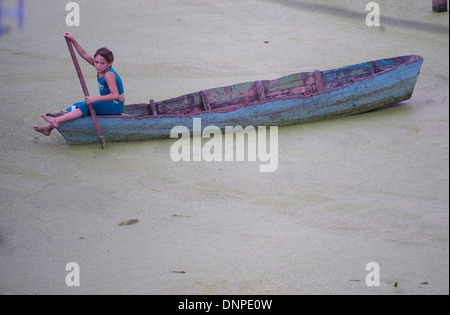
{"x":103,"y":86}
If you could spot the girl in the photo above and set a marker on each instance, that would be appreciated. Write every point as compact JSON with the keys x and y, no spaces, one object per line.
{"x":111,"y":100}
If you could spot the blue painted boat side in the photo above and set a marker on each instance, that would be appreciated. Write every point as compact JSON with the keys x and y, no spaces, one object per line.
{"x":374,"y":92}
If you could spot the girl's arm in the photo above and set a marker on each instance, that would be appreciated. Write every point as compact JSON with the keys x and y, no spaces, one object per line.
{"x":80,"y":49}
{"x":110,"y":78}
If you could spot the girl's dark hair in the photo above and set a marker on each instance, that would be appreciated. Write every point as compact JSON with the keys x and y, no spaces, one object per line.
{"x":105,"y":53}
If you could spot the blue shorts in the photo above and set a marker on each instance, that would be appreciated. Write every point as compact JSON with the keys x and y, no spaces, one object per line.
{"x":101,"y":108}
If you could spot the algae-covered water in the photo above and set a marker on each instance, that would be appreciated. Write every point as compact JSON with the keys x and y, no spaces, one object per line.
{"x":347,"y":192}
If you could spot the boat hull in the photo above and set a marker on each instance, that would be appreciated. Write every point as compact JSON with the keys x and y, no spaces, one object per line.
{"x":371,"y":93}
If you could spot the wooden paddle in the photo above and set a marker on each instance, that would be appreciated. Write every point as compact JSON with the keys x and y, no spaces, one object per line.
{"x":86,"y":93}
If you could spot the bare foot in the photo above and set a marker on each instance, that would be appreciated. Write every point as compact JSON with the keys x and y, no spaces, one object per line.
{"x":45,"y":130}
{"x":51,"y":120}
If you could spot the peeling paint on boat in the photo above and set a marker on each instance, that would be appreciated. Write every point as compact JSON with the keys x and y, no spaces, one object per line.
{"x":293,"y":99}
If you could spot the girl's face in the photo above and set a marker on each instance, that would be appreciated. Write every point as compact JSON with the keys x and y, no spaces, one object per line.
{"x":101,"y":64}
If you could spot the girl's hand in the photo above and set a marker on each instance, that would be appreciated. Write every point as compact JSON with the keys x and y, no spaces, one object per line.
{"x":68,"y":35}
{"x":90,"y":99}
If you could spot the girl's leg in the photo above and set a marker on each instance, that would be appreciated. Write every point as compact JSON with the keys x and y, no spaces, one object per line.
{"x":45,"y":130}
{"x":109,"y":108}
{"x":55,"y":122}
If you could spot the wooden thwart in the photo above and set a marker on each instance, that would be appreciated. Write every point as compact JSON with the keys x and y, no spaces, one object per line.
{"x":260,"y":90}
{"x":319,"y":82}
{"x":153,"y":108}
{"x":261,"y":94}
{"x":373,"y":67}
{"x":205,"y":101}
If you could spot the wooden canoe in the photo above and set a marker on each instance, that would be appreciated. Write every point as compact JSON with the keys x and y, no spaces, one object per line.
{"x":293,"y":99}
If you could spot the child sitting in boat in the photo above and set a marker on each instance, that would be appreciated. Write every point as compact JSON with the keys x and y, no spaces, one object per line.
{"x":111,"y":99}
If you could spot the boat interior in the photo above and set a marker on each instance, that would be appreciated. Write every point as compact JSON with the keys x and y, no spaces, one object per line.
{"x":297,"y":85}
